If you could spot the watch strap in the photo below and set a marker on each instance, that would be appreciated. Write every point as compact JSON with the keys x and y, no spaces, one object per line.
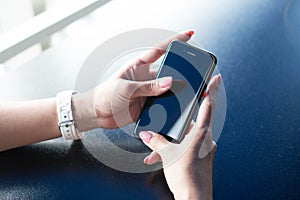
{"x":66,"y":122}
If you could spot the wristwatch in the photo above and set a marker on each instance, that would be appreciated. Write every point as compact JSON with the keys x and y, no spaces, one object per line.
{"x":66,"y":122}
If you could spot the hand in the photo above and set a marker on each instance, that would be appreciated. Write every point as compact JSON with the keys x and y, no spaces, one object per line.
{"x":119,"y":100}
{"x":188,"y":166}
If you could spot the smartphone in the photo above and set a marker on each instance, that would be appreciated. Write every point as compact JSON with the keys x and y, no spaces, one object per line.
{"x":170,"y":114}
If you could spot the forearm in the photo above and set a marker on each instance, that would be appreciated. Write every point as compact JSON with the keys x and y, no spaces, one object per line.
{"x":23,"y":123}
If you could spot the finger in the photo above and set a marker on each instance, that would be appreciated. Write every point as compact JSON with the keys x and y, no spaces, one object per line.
{"x":153,"y":73}
{"x":208,"y":105}
{"x":191,"y":127}
{"x":203,"y":129}
{"x":152,"y":55}
{"x":154,"y":141}
{"x":153,"y":87}
{"x":207,"y":145}
{"x":208,"y":149}
{"x":153,"y":158}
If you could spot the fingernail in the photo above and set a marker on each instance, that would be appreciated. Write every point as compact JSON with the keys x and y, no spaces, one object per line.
{"x":145,"y":136}
{"x":204,"y":94}
{"x":190,"y":33}
{"x":165,"y":82}
{"x":146,"y":160}
{"x":219,"y":79}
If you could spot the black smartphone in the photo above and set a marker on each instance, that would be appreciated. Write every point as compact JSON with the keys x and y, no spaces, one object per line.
{"x":170,"y":114}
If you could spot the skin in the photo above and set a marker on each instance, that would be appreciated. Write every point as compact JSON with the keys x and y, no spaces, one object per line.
{"x":23,"y":123}
{"x":189,"y":175}
{"x":114,"y":103}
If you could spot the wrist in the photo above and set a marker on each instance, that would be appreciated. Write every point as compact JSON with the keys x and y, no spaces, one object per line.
{"x":195,"y":182}
{"x":199,"y":190}
{"x":192,"y":193}
{"x":83,"y":111}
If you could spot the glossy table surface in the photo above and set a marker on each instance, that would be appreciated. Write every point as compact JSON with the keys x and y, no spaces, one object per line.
{"x":258,"y":47}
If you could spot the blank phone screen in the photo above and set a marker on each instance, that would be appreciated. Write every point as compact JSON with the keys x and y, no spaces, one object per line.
{"x":167,"y":113}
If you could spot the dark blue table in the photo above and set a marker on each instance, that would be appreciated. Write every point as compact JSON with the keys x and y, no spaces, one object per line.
{"x":258,"y":49}
{"x":258,"y":152}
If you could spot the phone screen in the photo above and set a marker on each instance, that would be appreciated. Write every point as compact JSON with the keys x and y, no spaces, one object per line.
{"x":169,"y":113}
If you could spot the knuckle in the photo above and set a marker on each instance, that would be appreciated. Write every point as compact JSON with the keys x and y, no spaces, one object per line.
{"x":133,"y":89}
{"x":202,"y":131}
{"x":130,"y":86}
{"x":203,"y":128}
{"x":152,"y":87}
{"x":156,"y":142}
{"x":145,"y":89}
{"x":160,"y":51}
{"x":211,"y":106}
{"x":140,"y":61}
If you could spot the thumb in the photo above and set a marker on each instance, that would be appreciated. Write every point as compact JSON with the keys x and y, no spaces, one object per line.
{"x":154,"y":141}
{"x":153,"y":87}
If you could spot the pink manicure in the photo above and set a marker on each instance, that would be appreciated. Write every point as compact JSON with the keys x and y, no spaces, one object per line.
{"x":146,"y":160}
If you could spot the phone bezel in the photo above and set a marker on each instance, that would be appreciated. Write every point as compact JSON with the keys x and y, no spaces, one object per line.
{"x":199,"y":92}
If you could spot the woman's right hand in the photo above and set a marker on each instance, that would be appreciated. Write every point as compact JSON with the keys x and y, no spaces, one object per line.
{"x":188,"y":166}
{"x":119,"y":100}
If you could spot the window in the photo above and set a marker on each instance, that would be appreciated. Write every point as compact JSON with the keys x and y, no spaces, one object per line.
{"x":29,"y":27}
